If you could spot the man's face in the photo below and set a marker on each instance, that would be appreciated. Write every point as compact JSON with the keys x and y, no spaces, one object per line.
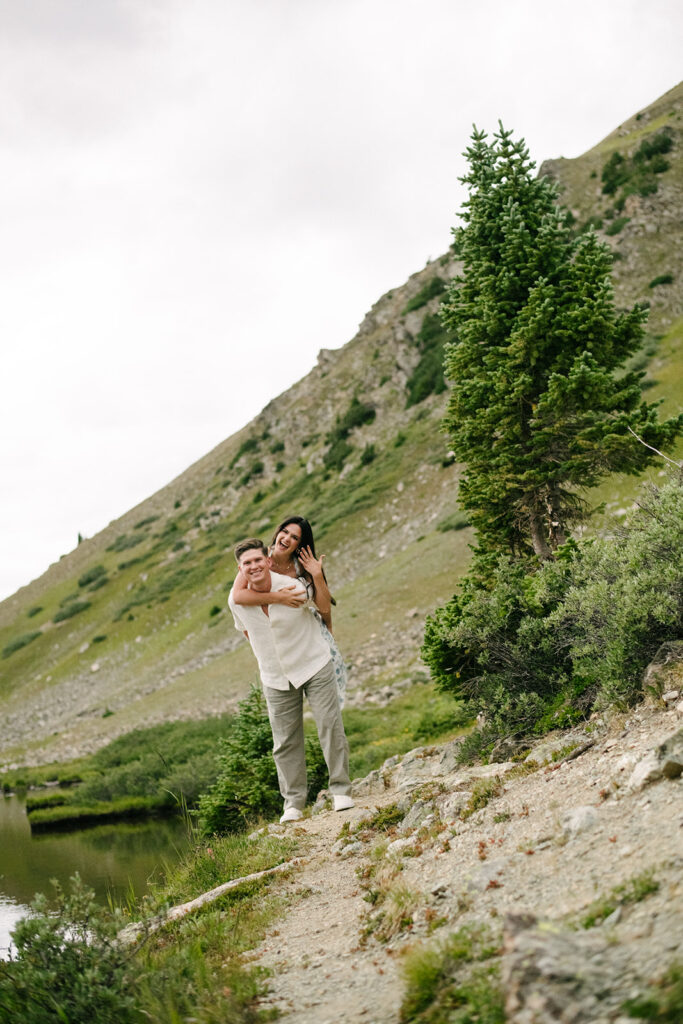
{"x":255,"y":566}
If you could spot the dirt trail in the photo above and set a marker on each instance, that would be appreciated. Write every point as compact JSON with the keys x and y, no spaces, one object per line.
{"x":549,"y":842}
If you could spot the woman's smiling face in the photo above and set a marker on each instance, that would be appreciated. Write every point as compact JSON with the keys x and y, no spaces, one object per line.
{"x":288,"y":539}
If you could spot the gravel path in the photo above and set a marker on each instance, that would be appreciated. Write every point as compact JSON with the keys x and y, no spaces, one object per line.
{"x":548,"y":844}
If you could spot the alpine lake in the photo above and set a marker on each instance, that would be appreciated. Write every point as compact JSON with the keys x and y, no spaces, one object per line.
{"x":117,"y":861}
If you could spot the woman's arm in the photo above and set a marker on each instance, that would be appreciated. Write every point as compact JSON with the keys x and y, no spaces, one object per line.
{"x":292,"y":596}
{"x":322,"y":596}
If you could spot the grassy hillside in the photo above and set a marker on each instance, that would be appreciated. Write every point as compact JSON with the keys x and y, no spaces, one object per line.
{"x":131,"y":627}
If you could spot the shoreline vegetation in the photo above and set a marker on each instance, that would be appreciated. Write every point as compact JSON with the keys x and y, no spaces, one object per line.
{"x":163,"y":770}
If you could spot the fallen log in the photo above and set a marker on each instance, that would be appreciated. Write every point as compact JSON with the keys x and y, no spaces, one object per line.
{"x":132,"y":932}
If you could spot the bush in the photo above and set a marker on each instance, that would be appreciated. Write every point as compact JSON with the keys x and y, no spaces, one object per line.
{"x":536,"y":648}
{"x":98,"y":584}
{"x":435,"y":286}
{"x":428,"y":377}
{"x":250,"y":445}
{"x":146,"y":522}
{"x":617,"y":225}
{"x":337,"y":454}
{"x":368,"y":455}
{"x":457,"y":981}
{"x":356,"y":415}
{"x":20,"y":641}
{"x":661,"y":279}
{"x":655,"y":146}
{"x":614,"y":173}
{"x":458,"y":521}
{"x":68,"y":965}
{"x":69,"y":610}
{"x":123,"y":543}
{"x":247,"y":783}
{"x":34,"y":611}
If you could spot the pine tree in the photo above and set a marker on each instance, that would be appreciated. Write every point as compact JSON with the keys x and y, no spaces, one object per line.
{"x":537,"y":410}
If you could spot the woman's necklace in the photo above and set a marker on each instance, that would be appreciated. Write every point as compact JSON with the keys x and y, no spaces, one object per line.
{"x":287,"y":570}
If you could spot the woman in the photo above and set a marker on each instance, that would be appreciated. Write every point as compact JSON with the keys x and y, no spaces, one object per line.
{"x":292,"y":553}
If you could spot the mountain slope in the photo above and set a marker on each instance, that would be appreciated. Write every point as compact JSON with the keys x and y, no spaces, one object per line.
{"x":131,"y":628}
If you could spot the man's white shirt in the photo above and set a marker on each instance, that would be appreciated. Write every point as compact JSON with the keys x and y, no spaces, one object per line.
{"x":288,"y":642}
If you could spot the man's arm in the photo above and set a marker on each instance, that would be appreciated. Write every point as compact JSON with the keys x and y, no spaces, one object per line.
{"x":291,"y":596}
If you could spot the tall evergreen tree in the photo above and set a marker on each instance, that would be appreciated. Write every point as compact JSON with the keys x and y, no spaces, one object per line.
{"x":537,"y":410}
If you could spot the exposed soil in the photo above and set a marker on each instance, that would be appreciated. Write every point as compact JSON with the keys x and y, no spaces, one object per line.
{"x":555,"y":839}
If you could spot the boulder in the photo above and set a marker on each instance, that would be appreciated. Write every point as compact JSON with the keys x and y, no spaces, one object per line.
{"x":662,"y":762}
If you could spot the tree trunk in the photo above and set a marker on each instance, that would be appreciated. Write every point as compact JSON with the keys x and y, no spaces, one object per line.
{"x":557,"y":531}
{"x":538,"y":538}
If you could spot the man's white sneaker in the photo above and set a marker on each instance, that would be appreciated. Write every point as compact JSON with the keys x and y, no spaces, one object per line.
{"x":343,"y":803}
{"x":291,"y":814}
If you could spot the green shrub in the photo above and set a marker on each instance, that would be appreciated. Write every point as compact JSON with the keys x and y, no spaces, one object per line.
{"x":20,"y":641}
{"x":98,"y":584}
{"x":457,"y":521}
{"x":368,"y":455}
{"x":34,"y":611}
{"x":337,"y":454}
{"x":123,"y":543}
{"x":67,"y":966}
{"x":146,"y":522}
{"x":663,"y":1003}
{"x":457,"y":981}
{"x":247,"y":784}
{"x":69,"y":610}
{"x":536,"y":648}
{"x":655,"y":146}
{"x":614,"y":173}
{"x":617,"y":225}
{"x":277,"y":446}
{"x":594,"y":223}
{"x":428,"y":377}
{"x":356,"y":415}
{"x":250,"y":445}
{"x":435,"y":286}
{"x":661,"y":279}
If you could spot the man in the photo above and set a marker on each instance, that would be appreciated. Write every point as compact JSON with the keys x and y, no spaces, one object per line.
{"x":294,"y":659}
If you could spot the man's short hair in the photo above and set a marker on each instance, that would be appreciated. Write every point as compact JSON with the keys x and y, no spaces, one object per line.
{"x":247,"y":545}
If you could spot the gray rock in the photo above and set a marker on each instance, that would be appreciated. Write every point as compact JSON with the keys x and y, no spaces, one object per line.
{"x":345,"y":849}
{"x":451,"y":806}
{"x":550,"y":976}
{"x":665,"y":667}
{"x":448,"y":762}
{"x":420,"y":810}
{"x":578,"y":819}
{"x":371,"y":783}
{"x":664,"y":761}
{"x":399,"y":845}
{"x":488,"y":876}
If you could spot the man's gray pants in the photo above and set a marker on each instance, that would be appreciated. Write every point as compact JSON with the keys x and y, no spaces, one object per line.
{"x":285,"y":711}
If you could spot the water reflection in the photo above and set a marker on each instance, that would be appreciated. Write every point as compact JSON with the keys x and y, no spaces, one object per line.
{"x":111,"y":859}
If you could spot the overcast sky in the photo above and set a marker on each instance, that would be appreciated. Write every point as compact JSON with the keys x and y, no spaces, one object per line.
{"x":197,"y":196}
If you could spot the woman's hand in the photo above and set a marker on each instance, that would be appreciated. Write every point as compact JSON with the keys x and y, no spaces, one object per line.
{"x":291,"y":597}
{"x":312,"y":565}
